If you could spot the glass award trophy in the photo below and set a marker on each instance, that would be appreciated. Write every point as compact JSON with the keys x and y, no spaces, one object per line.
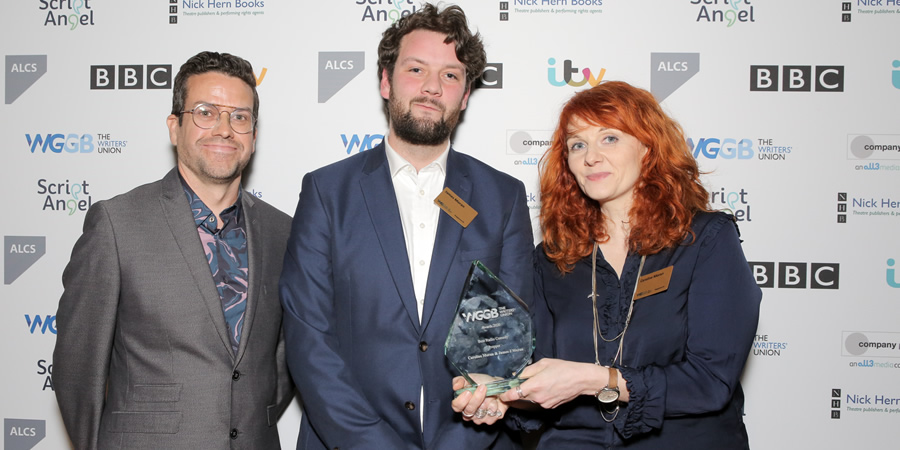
{"x":492,"y":337}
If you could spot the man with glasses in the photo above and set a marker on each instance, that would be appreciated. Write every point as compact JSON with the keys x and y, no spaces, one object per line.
{"x":170,"y":324}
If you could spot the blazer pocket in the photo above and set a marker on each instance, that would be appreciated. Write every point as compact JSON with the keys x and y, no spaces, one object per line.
{"x":272,"y":414}
{"x":156,"y":393}
{"x":144,"y":422}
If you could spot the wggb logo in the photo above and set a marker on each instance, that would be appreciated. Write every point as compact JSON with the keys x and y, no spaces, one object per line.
{"x":42,"y":324}
{"x":713,"y":148}
{"x":361,"y":143}
{"x":59,"y":143}
{"x":485,"y":314}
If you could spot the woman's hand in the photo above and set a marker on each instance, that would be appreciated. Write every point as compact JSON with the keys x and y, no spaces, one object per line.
{"x":552,"y":382}
{"x":476,"y":406}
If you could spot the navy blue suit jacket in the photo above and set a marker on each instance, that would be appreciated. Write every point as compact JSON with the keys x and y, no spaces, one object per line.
{"x":354,"y":344}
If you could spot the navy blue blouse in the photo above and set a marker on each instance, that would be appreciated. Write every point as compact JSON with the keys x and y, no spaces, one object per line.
{"x":683,"y":352}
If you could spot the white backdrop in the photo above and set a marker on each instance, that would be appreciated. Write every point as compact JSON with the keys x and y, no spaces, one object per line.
{"x":808,"y":159}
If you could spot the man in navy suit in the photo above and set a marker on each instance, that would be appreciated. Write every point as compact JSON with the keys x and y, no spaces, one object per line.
{"x":374,"y":269}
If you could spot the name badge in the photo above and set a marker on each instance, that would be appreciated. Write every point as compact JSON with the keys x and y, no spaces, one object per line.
{"x":458,"y":209}
{"x":653,"y":283}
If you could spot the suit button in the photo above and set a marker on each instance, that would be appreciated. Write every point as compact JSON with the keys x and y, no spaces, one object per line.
{"x":235,"y":375}
{"x":234,"y":433}
{"x":423,"y":346}
{"x":410,"y":405}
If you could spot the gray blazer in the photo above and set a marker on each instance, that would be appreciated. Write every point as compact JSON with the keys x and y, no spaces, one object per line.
{"x":142,"y":358}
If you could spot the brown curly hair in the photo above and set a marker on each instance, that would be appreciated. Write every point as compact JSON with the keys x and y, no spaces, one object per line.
{"x":450,"y":22}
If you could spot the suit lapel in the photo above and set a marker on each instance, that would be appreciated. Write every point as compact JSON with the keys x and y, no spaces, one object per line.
{"x":177,"y":211}
{"x":447,"y":239}
{"x":256,"y":250}
{"x":381,"y":202}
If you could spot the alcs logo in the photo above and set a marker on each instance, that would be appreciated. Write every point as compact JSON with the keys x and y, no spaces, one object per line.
{"x":48,"y":323}
{"x":481,"y":315}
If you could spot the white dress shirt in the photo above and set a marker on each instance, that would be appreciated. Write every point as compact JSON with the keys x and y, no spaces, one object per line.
{"x":419,"y":215}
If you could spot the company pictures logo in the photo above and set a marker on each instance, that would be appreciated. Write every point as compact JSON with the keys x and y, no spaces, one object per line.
{"x":874,"y":146}
{"x":530,"y":144}
{"x":668,"y":71}
{"x":728,"y":12}
{"x":585,"y":76}
{"x":67,"y":13}
{"x":796,"y":275}
{"x":23,"y":434}
{"x":20,"y":253}
{"x":64,"y":196}
{"x":336,"y":69}
{"x":21,"y":72}
{"x":386,"y":11}
{"x":797,"y":78}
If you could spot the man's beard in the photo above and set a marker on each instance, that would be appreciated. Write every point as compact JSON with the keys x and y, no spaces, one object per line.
{"x":421,"y":131}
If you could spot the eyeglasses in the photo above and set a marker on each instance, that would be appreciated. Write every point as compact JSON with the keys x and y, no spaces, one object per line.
{"x":207,"y":116}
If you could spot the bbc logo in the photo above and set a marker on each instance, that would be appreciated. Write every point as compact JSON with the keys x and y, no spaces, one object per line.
{"x":152,"y":76}
{"x":797,"y":78}
{"x":796,"y":275}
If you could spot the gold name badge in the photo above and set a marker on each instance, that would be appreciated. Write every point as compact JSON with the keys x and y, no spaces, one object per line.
{"x":653,"y":283}
{"x":455,"y":207}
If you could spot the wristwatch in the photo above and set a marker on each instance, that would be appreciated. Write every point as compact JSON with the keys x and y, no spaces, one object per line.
{"x":610,"y":393}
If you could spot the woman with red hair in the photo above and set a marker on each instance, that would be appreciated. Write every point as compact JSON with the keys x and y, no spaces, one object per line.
{"x":623,"y":363}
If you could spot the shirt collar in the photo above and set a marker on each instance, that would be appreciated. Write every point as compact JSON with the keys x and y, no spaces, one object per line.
{"x":396,"y":163}
{"x":203,"y":215}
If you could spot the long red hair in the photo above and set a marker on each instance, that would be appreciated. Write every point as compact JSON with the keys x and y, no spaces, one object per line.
{"x":666,"y":195}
